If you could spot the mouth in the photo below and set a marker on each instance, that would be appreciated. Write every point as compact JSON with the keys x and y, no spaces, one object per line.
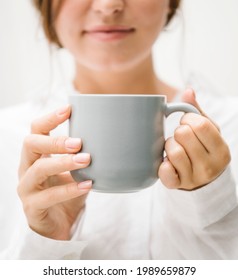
{"x":109,"y":33}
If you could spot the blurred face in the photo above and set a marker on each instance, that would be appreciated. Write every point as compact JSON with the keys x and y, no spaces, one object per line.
{"x":110,"y":34}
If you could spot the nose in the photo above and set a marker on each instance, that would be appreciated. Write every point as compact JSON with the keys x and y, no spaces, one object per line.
{"x":108,"y":7}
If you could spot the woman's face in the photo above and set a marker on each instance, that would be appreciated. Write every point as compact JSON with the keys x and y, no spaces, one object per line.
{"x":110,"y":34}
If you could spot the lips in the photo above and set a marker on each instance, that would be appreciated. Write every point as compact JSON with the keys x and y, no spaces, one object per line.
{"x":109,"y":33}
{"x":105,"y":28}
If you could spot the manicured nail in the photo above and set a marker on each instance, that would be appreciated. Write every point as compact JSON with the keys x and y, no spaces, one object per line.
{"x":81,"y":158}
{"x":165,"y":159}
{"x":85,"y":185}
{"x":189,"y":89}
{"x":62,"y":110}
{"x":73,"y":143}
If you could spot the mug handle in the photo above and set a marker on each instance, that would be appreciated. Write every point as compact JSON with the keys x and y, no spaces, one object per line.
{"x":180,"y":107}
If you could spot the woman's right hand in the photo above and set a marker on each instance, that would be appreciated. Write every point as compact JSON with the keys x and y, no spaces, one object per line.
{"x":51,"y":199}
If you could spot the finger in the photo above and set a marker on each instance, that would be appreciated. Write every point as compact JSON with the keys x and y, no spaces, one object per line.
{"x":189,"y":96}
{"x":205,"y":131}
{"x":41,"y":144}
{"x":61,"y":179}
{"x":168,"y":175}
{"x":55,"y":195}
{"x":195,"y":150}
{"x":36,"y":145}
{"x":178,"y":157}
{"x":44,"y":168}
{"x":49,"y":122}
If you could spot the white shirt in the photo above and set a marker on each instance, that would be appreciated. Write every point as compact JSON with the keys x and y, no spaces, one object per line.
{"x":155,"y":223}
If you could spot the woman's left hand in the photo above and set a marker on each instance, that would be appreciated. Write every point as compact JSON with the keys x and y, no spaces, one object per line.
{"x":196,"y":154}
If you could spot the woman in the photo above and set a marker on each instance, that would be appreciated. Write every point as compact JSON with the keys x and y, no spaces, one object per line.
{"x":191,"y":213}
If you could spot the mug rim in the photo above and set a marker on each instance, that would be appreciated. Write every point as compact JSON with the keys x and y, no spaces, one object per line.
{"x":116,"y":95}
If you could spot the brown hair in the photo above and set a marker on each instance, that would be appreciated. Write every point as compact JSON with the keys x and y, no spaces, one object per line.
{"x":47,"y":17}
{"x":173,"y":6}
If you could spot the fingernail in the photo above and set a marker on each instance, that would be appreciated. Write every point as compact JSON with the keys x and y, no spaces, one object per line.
{"x":85,"y":185}
{"x":73,"y":143}
{"x":62,"y":110}
{"x":166,"y":159}
{"x":192,"y":92}
{"x":81,"y":158}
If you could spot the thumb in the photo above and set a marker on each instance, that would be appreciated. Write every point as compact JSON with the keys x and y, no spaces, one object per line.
{"x":189,"y":96}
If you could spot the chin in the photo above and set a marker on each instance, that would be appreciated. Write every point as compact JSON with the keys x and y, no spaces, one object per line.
{"x":111,"y":66}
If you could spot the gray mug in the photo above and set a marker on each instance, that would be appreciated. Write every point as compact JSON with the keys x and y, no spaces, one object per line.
{"x":124,"y":135}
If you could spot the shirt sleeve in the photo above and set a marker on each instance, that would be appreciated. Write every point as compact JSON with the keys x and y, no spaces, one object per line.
{"x":31,"y":246}
{"x":205,"y":206}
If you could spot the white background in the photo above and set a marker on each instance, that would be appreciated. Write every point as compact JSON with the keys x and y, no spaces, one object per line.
{"x":203,"y":39}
